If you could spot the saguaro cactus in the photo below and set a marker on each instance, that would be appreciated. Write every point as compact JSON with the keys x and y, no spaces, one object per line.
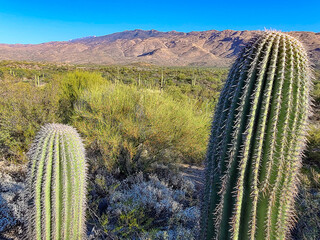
{"x":57,"y":184}
{"x":257,"y":135}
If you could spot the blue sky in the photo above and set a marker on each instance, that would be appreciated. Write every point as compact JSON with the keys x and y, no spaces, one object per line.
{"x":42,"y":21}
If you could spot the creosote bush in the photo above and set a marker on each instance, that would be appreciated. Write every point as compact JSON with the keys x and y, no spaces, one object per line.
{"x":71,"y":85}
{"x":23,"y":110}
{"x":130,"y":127}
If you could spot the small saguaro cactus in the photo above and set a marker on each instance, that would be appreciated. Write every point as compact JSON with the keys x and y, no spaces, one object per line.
{"x":57,"y":184}
{"x":257,"y":136}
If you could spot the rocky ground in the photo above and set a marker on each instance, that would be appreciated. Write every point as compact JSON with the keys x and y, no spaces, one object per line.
{"x":170,"y":191}
{"x":12,"y":202}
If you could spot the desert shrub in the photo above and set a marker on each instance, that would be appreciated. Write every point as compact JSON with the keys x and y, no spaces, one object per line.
{"x":145,"y":207}
{"x":316,"y":87}
{"x":308,"y":201}
{"x":23,"y":109}
{"x":181,"y":76}
{"x":71,"y":86}
{"x":308,"y":205}
{"x":131,"y":127}
{"x":316,"y":93}
{"x":312,"y":152}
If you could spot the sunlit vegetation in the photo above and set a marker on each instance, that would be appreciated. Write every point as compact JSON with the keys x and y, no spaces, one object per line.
{"x":134,"y":119}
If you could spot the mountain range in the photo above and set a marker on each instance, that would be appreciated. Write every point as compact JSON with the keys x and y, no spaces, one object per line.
{"x":202,"y":48}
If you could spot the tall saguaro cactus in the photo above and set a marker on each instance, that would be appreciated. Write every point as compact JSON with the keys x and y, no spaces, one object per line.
{"x":57,"y":184}
{"x":257,"y":136}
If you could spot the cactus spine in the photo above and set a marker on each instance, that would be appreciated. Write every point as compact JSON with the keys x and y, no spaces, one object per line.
{"x":57,"y":184}
{"x":257,"y":136}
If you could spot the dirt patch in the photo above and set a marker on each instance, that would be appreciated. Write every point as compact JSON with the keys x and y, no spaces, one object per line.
{"x":194,"y":173}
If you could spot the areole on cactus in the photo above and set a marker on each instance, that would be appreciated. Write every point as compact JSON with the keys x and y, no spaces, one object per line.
{"x":57,"y":184}
{"x":257,"y":136}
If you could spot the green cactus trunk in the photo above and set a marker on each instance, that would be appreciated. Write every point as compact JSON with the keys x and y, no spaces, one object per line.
{"x":257,"y":136}
{"x":57,"y":184}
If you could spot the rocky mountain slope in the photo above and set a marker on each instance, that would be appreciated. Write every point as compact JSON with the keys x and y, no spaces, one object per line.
{"x":206,"y":48}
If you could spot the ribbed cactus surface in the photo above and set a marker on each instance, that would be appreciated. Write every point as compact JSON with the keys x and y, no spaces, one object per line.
{"x":257,"y":135}
{"x":57,"y":184}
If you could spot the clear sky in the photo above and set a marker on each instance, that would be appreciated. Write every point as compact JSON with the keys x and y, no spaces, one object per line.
{"x":31,"y":21}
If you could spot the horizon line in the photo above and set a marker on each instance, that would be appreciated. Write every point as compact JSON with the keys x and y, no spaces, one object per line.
{"x":138,"y":29}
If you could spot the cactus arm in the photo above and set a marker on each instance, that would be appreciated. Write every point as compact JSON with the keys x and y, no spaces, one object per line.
{"x":257,"y":133}
{"x":57,"y":184}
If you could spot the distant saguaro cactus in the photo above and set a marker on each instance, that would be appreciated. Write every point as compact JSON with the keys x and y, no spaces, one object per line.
{"x":57,"y":184}
{"x":257,"y":136}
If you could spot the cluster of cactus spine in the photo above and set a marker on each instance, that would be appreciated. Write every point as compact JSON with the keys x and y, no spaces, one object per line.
{"x":57,"y":184}
{"x":257,"y":136}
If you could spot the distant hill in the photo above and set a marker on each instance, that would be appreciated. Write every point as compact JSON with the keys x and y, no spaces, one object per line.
{"x":206,"y":48}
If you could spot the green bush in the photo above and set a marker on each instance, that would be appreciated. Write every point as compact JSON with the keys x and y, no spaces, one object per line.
{"x":132,"y":223}
{"x":23,"y":109}
{"x":316,"y":92}
{"x":313,"y":148}
{"x":71,"y":86}
{"x":25,"y":106}
{"x":131,"y":127}
{"x":308,"y":205}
